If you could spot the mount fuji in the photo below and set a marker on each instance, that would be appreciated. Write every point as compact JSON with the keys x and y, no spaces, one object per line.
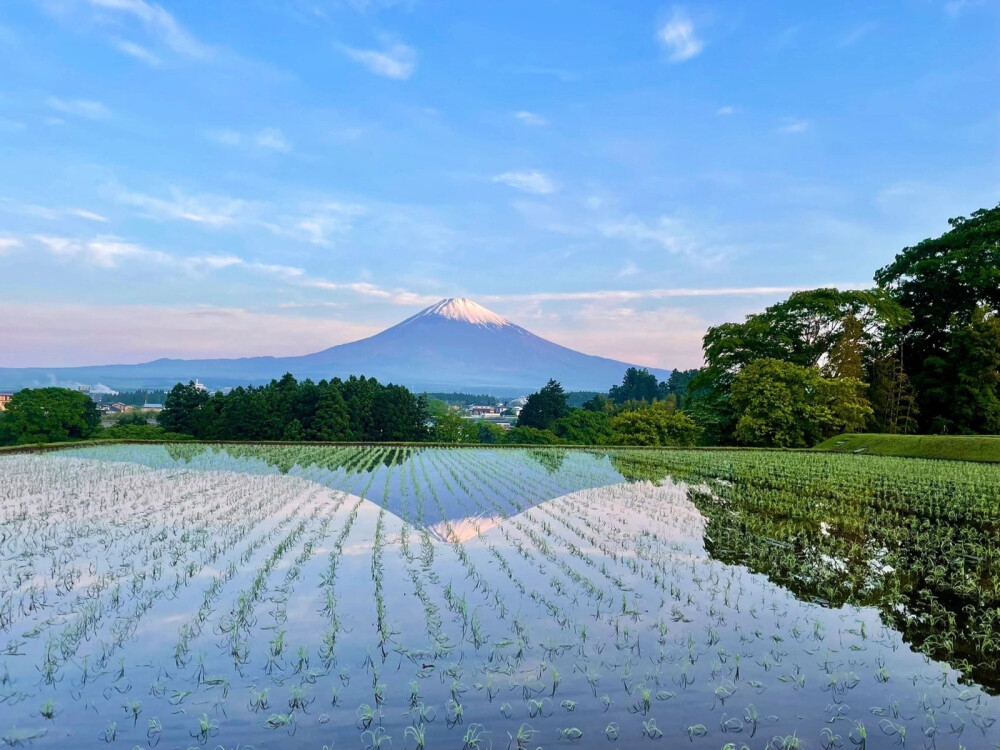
{"x":453,"y":345}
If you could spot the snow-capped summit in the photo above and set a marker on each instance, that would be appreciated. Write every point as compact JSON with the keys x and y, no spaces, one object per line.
{"x":462,"y":310}
{"x":453,"y":345}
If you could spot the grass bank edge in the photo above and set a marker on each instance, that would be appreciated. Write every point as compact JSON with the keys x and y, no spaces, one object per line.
{"x":977,"y":448}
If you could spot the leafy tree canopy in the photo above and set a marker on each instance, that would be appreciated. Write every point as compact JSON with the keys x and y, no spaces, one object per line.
{"x":943,"y":281}
{"x":951,"y":284}
{"x":48,"y":415}
{"x":802,"y":329}
{"x":545,"y":407}
{"x":584,"y":427}
{"x":637,"y":385}
{"x":654,"y":425}
{"x":784,"y":405}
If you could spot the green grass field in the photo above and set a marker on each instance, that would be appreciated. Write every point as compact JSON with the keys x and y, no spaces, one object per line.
{"x":953,"y":447}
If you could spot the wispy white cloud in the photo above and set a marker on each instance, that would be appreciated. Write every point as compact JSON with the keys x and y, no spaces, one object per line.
{"x":138,"y":52}
{"x":54,"y":335}
{"x":89,"y":215}
{"x":225,"y":136}
{"x":9,"y":243}
{"x":89,"y":109}
{"x":271,"y":139}
{"x":105,"y":252}
{"x":365,"y":289}
{"x":210,"y":210}
{"x":678,"y":36}
{"x":46,"y":212}
{"x":109,"y":252}
{"x":665,"y":232}
{"x":266,"y":139}
{"x":792,"y":125}
{"x":724,"y":111}
{"x":316,"y":223}
{"x":528,"y":181}
{"x":395,"y":60}
{"x":531,"y":118}
{"x":629,"y":269}
{"x":856,"y":34}
{"x":634,"y":295}
{"x":159,"y":24}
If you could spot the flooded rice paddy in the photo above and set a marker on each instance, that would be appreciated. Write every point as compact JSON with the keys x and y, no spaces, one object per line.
{"x":319,"y":597}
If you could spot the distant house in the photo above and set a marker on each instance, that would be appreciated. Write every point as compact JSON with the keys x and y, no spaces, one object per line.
{"x":4,"y":398}
{"x":120,"y":408}
{"x":152,"y":407}
{"x":484,"y":412}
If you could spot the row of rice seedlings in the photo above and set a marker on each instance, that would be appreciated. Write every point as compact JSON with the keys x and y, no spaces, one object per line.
{"x":192,"y":629}
{"x":542,"y":546}
{"x":697,"y":642}
{"x":929,"y":547}
{"x":532,"y":683}
{"x":85,"y":626}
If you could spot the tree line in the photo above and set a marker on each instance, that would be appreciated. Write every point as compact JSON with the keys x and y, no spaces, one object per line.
{"x":356,"y":409}
{"x":917,"y":353}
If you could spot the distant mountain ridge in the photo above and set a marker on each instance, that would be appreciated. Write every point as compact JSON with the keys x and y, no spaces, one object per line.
{"x":455,"y":344}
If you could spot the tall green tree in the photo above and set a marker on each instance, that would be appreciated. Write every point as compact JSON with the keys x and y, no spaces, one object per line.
{"x":784,"y":405}
{"x":944,"y":282}
{"x":677,"y":386}
{"x":975,"y":360}
{"x":545,"y":407}
{"x":846,"y":359}
{"x":331,"y":421}
{"x":805,"y":330}
{"x":636,"y":385}
{"x":48,"y":415}
{"x":180,"y":411}
{"x":894,"y":407}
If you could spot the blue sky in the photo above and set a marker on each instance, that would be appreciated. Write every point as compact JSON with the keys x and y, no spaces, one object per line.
{"x":245,"y":177}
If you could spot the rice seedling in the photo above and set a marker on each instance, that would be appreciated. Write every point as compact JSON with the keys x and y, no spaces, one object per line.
{"x":492,"y":586}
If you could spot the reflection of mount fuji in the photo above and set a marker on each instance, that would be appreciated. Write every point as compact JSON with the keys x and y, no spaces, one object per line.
{"x":387,"y":475}
{"x":453,"y":345}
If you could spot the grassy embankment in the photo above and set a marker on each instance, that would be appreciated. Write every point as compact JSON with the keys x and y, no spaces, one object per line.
{"x":952,"y":447}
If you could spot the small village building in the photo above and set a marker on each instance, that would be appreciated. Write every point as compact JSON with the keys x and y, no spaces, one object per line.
{"x":484,"y":412}
{"x":5,"y":398}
